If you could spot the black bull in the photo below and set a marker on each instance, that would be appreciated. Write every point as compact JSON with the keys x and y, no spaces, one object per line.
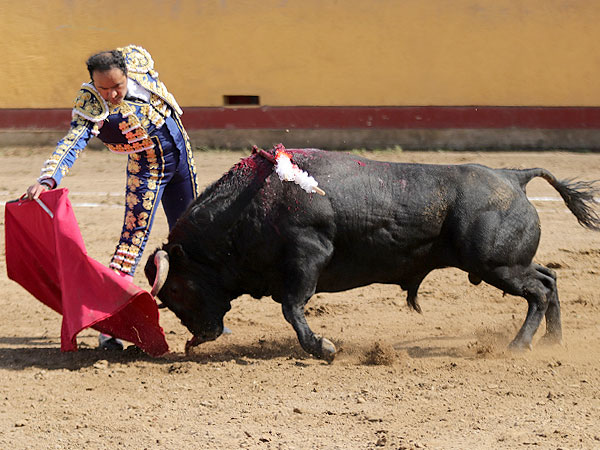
{"x":379,"y":222}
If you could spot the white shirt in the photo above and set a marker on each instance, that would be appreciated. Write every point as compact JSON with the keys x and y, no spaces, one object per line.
{"x":134,"y":89}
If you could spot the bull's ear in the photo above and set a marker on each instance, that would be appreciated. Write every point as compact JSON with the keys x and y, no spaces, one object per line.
{"x":178,"y":251}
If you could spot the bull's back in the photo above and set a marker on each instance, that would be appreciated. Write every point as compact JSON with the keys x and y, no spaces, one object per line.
{"x":394,"y":222}
{"x":387,"y":217}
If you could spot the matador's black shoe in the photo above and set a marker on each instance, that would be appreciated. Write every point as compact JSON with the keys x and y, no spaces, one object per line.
{"x":107,"y":342}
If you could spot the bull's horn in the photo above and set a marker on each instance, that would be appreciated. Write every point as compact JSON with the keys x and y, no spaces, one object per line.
{"x":161,"y":261}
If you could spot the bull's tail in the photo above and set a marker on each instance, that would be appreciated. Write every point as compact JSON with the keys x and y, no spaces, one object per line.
{"x":581,"y":197}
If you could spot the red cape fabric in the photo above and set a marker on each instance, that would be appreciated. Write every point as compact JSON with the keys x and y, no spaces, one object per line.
{"x":46,"y":255}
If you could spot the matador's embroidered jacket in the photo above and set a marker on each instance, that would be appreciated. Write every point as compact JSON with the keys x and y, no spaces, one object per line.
{"x":124,"y":128}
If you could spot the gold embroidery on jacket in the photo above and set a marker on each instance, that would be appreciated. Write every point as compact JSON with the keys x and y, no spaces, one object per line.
{"x":135,"y":127}
{"x":139,"y":146}
{"x":90,"y":105}
{"x":140,"y":67}
{"x":55,"y":163}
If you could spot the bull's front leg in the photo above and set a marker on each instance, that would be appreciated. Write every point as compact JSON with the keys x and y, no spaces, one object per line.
{"x":317,"y":346}
{"x":308,"y":253}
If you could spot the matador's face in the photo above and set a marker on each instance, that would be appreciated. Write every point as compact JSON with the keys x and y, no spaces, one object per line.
{"x":111,"y":84}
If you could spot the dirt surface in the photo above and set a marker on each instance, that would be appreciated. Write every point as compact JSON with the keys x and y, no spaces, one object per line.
{"x":441,"y":380}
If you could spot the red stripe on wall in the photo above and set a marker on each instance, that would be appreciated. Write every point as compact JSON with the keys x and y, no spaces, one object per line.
{"x":35,"y":118}
{"x":344,"y":117}
{"x":393,"y":117}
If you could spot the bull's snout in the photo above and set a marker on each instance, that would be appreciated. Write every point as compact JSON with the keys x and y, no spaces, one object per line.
{"x":198,"y":339}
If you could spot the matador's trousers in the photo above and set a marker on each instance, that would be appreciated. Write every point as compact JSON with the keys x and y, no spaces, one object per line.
{"x":164,"y":174}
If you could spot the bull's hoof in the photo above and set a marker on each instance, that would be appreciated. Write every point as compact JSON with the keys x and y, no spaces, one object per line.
{"x":327,"y":350}
{"x":548,"y":340}
{"x":519,"y":347}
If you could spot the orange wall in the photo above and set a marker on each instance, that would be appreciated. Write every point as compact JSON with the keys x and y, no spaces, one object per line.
{"x":314,"y":52}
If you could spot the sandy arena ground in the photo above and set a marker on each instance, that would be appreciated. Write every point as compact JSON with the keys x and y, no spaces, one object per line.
{"x":441,"y":380}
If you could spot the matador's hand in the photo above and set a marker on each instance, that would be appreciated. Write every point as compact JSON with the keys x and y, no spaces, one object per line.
{"x":34,"y":191}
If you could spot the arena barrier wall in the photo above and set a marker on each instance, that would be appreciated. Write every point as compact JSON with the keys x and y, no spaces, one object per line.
{"x":436,"y":74}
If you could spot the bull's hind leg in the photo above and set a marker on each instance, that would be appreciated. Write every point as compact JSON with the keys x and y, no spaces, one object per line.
{"x":553,"y":321}
{"x":538,"y":288}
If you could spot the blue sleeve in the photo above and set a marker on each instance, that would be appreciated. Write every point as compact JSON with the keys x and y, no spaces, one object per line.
{"x":67,"y":150}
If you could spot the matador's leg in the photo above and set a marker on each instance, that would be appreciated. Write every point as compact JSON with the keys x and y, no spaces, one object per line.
{"x":148,"y":173}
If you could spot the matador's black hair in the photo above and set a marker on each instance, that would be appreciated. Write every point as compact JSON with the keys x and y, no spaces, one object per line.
{"x":103,"y":61}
